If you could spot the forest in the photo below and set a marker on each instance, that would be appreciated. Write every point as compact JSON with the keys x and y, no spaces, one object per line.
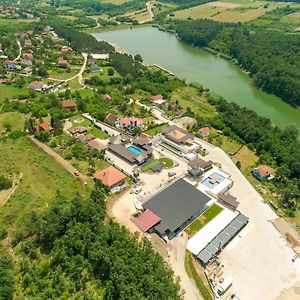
{"x":280,"y":148}
{"x":71,"y":251}
{"x":80,"y":40}
{"x":272,"y":59}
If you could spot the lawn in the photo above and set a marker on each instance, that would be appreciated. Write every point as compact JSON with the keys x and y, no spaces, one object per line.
{"x":98,"y":133}
{"x":156,"y":130}
{"x":227,"y":144}
{"x":150,"y":165}
{"x":14,"y":119}
{"x":193,"y":274}
{"x":11,"y":92}
{"x":85,"y":122}
{"x":203,"y":219}
{"x":170,"y":147}
{"x":167,"y":162}
{"x":74,"y":84}
{"x":62,"y":74}
{"x":246,"y":157}
{"x":42,"y":179}
{"x":189,"y":97}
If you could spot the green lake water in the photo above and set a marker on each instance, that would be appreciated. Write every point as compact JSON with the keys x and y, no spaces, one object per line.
{"x":196,"y":65}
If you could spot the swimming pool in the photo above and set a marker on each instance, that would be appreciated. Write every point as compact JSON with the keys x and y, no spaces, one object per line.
{"x":134,"y":149}
{"x":213,"y":180}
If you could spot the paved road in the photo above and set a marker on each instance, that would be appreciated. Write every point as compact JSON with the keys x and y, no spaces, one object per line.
{"x":58,"y":158}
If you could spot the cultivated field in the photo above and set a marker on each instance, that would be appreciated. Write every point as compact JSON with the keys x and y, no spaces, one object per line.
{"x":229,"y":11}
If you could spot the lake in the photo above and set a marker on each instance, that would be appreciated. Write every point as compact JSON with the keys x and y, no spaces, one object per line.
{"x":221,"y":76}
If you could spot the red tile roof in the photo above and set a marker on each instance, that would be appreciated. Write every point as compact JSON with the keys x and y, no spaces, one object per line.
{"x":68,"y":104}
{"x":146,"y":220}
{"x":127,"y":121}
{"x":156,"y":97}
{"x":264,"y":170}
{"x":110,"y":176}
{"x":112,"y":118}
{"x":204,"y":131}
{"x":42,"y":127}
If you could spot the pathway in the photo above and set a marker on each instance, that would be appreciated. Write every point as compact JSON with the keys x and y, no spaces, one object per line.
{"x":150,"y":13}
{"x":58,"y":158}
{"x":20,"y":51}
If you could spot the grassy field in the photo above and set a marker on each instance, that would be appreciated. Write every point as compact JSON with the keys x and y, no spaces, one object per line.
{"x":98,"y":133}
{"x":61,"y":74}
{"x":203,"y":219}
{"x":166,"y":162}
{"x":14,"y":119}
{"x":193,"y":274}
{"x":11,"y":92}
{"x":42,"y":179}
{"x":74,"y":84}
{"x":81,"y":121}
{"x":189,"y":97}
{"x":247,"y":158}
{"x":156,"y":130}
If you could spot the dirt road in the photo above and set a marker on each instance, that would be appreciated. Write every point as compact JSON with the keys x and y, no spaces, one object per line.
{"x":59,"y":159}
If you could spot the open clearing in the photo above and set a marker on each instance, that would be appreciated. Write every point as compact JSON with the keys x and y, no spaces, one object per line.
{"x":246,"y":157}
{"x":42,"y":179}
{"x":14,"y":119}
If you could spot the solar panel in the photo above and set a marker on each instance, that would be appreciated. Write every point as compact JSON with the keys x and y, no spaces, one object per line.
{"x":204,"y":256}
{"x":211,"y":249}
{"x":224,"y":237}
{"x":217,"y":243}
{"x":242,"y":218}
{"x":231,"y":230}
{"x":236,"y":224}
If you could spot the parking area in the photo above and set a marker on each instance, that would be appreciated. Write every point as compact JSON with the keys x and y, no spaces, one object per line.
{"x":258,"y":259}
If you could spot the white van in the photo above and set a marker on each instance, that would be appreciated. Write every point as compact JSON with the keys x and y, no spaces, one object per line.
{"x":225,"y":285}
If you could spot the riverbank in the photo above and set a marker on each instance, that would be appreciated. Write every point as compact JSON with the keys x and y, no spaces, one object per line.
{"x":222,"y":77}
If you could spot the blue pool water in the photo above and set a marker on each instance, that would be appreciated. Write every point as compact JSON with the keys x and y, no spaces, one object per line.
{"x":135,"y":150}
{"x":213,"y":180}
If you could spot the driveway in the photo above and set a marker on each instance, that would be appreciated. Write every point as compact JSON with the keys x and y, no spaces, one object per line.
{"x":259,"y":259}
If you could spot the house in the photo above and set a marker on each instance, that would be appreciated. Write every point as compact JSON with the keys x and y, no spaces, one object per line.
{"x":106,"y":97}
{"x":177,"y":138}
{"x":136,"y":153}
{"x":110,"y":177}
{"x":29,"y":32}
{"x":66,"y":49}
{"x":26,"y":71}
{"x":3,"y":80}
{"x":112,"y":119}
{"x":97,"y":56}
{"x":62,"y":63}
{"x":26,"y":62}
{"x":69,"y":105}
{"x":94,"y":68}
{"x":180,"y":111}
{"x":157,"y":100}
{"x":129,"y":124}
{"x":78,"y":130}
{"x":9,"y":66}
{"x":204,"y":131}
{"x":198,"y":166}
{"x":262,"y":172}
{"x":27,"y":56}
{"x":176,"y":206}
{"x":42,"y":127}
{"x":38,"y":86}
{"x":96,"y":144}
{"x":85,"y":138}
{"x":28,"y":44}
